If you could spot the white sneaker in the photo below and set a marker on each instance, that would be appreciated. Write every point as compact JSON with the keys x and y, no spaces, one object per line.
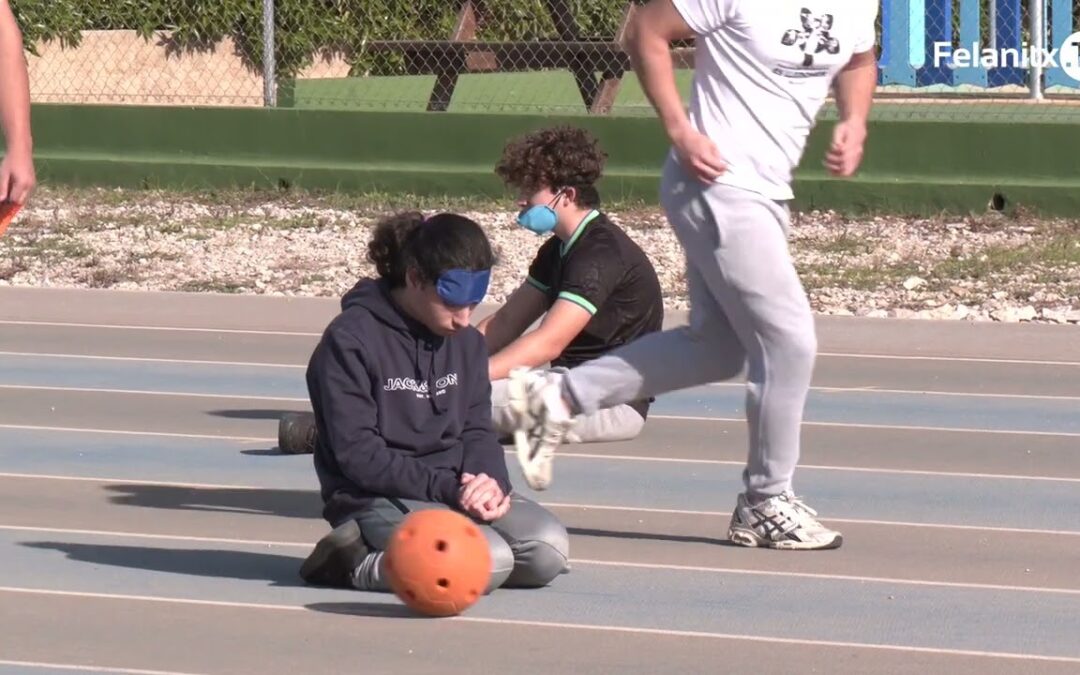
{"x":781,"y":522}
{"x":541,"y":421}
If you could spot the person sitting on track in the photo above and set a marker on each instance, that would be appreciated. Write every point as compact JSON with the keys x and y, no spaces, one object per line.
{"x":594,"y":286}
{"x":402,"y":404}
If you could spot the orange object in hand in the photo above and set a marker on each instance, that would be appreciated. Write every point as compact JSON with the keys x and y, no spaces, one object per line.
{"x":7,"y":214}
{"x":438,"y":562}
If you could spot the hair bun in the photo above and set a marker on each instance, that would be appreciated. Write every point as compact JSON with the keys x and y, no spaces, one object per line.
{"x":387,"y":245}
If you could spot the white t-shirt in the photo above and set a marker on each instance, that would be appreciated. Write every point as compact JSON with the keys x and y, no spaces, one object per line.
{"x":762,"y":72}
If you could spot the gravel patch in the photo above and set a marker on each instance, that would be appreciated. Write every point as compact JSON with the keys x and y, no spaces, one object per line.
{"x":1007,"y":268}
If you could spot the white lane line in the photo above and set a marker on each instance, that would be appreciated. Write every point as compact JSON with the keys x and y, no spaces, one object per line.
{"x":916,"y":392}
{"x":571,"y":455}
{"x":565,"y":505}
{"x":737,"y":385}
{"x":153,"y":392}
{"x":127,"y":432}
{"x":148,"y":359}
{"x":900,"y":427}
{"x":90,"y":669}
{"x":159,"y":537}
{"x":577,"y":561}
{"x":827,"y":577}
{"x":129,"y":481}
{"x":685,"y":418}
{"x":179,"y":329}
{"x":563,"y":625}
{"x":962,"y":359}
{"x":818,"y":467}
{"x":243,"y":331}
{"x":853,"y":521}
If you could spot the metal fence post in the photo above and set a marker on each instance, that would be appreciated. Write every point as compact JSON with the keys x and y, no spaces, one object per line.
{"x":269,"y":66}
{"x":1038,"y":43}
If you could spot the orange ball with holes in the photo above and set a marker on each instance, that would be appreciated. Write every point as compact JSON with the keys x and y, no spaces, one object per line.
{"x":438,"y":562}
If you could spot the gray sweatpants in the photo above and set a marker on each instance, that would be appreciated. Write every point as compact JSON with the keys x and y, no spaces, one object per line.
{"x":748,"y":309}
{"x":618,"y":423}
{"x":529,"y":546}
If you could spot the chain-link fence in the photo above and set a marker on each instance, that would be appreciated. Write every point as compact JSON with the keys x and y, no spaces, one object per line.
{"x":552,"y":56}
{"x":144,"y":51}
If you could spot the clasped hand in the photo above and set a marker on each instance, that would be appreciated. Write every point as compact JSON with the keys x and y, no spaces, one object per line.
{"x":481,"y":497}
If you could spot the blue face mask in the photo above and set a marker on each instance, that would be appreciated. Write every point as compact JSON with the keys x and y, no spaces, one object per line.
{"x":462,"y":288}
{"x":541,"y":218}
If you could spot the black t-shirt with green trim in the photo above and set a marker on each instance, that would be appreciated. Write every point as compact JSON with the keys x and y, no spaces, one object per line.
{"x":603,"y":270}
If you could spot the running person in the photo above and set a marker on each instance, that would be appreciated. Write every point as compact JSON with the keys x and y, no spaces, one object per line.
{"x":402,"y":402}
{"x":725,"y":189}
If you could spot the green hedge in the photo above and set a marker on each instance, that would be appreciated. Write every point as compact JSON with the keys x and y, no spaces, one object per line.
{"x":304,"y":27}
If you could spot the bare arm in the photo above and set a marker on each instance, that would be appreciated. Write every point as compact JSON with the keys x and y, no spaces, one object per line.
{"x":648,"y":40}
{"x":16,"y":170}
{"x":854,"y":86}
{"x":522,"y":308}
{"x":561,"y":325}
{"x":648,"y":45}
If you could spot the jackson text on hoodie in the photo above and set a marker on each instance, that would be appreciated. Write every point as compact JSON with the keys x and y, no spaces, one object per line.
{"x":400,"y":412}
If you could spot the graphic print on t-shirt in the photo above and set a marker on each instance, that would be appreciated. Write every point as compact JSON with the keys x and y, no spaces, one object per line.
{"x":814,"y":36}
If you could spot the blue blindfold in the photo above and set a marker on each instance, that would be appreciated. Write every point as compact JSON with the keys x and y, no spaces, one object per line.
{"x":463,"y":287}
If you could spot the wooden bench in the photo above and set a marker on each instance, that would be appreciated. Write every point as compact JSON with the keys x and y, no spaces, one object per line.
{"x":598,"y":65}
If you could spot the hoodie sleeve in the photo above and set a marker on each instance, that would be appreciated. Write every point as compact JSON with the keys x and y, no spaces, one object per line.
{"x":483,"y":453}
{"x":340,"y":386}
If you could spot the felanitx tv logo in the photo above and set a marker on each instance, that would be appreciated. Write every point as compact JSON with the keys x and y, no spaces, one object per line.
{"x":1066,"y":56}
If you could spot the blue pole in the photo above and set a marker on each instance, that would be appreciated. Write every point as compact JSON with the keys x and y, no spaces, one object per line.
{"x":1008,"y":40}
{"x":939,"y":31}
{"x":1061,"y":27}
{"x":896,"y":55}
{"x":973,"y":72}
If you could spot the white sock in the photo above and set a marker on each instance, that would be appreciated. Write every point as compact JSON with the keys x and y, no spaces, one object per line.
{"x":368,"y":574}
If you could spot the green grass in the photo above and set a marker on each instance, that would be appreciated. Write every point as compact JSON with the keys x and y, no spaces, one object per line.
{"x":845,"y":244}
{"x":1049,"y":260}
{"x":864,"y":278}
{"x":371,"y":203}
{"x":211,"y":286}
{"x":57,"y":246}
{"x":545,"y":91}
{"x":554,"y":92}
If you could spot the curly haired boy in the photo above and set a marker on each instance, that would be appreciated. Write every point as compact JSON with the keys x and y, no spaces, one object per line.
{"x":594,"y":286}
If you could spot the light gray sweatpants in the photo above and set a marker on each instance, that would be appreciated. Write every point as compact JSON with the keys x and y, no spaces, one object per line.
{"x":618,"y":423}
{"x":529,"y":546}
{"x":748,"y":309}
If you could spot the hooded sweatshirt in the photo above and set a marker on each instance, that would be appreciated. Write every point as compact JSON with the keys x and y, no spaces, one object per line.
{"x":401,"y":412}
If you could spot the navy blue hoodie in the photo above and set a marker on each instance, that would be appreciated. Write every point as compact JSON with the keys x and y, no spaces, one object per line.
{"x":401,"y":412}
